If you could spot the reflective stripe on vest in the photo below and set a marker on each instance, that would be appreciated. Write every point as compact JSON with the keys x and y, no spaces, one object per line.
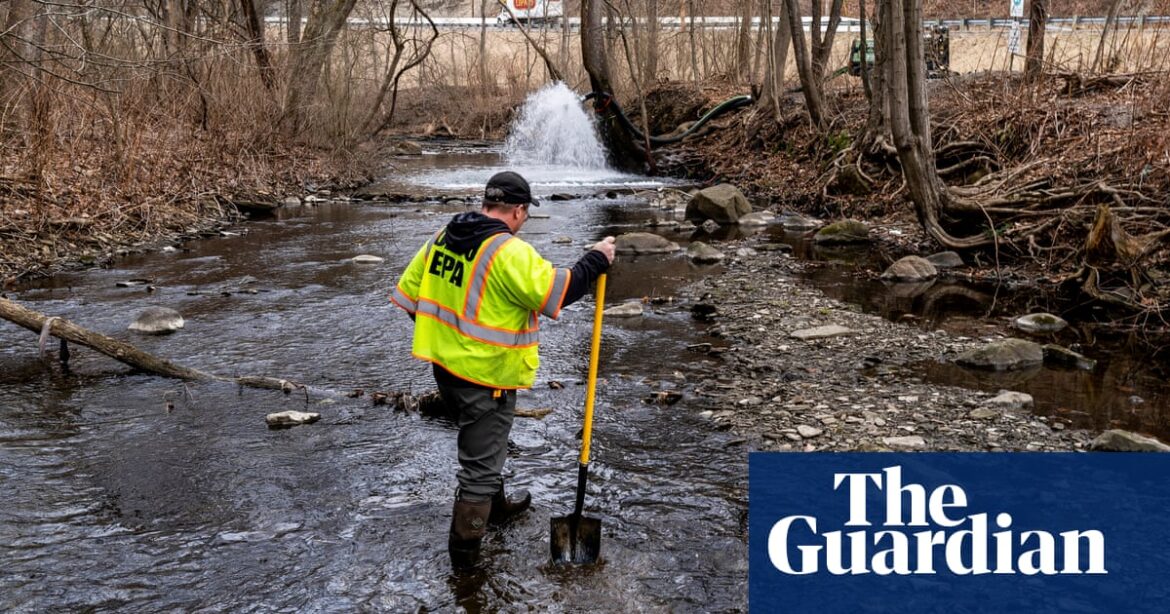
{"x":556,"y":294}
{"x":403,"y":301}
{"x":483,"y":264}
{"x":479,"y":332}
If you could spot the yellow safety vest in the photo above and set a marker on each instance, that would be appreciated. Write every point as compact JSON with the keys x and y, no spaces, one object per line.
{"x":476,"y":313}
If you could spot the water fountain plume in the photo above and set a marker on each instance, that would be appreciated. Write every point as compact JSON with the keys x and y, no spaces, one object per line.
{"x":553,"y":129}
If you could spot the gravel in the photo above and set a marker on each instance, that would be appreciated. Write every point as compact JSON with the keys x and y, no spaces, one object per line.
{"x":853,"y":392}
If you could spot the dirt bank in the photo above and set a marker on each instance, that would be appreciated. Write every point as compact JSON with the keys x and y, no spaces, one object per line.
{"x":1062,"y":149}
{"x":84,"y":210}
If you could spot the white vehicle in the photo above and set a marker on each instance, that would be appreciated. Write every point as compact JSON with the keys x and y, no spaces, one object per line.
{"x":531,"y":11}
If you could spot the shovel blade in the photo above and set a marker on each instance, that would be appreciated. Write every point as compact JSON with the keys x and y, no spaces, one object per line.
{"x":575,"y":539}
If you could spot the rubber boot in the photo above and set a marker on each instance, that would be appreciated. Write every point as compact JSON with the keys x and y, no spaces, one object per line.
{"x":505,"y":509}
{"x":468,"y":525}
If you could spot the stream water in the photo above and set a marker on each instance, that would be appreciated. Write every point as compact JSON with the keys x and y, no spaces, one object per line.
{"x":125,"y":491}
{"x":112,"y":501}
{"x":1128,"y":388}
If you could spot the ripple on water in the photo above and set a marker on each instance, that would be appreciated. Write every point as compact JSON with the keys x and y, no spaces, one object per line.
{"x":114,"y":502}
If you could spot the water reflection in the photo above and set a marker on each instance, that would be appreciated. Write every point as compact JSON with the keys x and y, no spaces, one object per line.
{"x":114,"y":501}
{"x":1128,"y":388}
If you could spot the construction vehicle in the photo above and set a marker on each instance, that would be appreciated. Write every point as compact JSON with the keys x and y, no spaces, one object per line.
{"x":936,"y":46}
{"x":530,"y":12}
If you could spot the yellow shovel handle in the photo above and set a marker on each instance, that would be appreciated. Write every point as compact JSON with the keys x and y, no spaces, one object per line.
{"x":591,"y":383}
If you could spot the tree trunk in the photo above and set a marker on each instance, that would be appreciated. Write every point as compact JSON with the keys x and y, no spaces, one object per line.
{"x":42,"y":120}
{"x":694,"y":47}
{"x":809,"y":82}
{"x":295,"y":14}
{"x":1037,"y":18}
{"x":624,"y":153}
{"x":21,"y":43}
{"x":565,"y":53}
{"x":864,"y":51}
{"x":256,"y":42}
{"x":326,"y":19}
{"x":611,"y":29}
{"x":650,"y":55}
{"x":910,"y":119}
{"x":822,"y":44}
{"x":634,"y":56}
{"x":757,"y":47}
{"x":485,"y":88}
{"x":15,"y":50}
{"x":1110,"y":21}
{"x":118,"y":350}
{"x":631,"y":63}
{"x":876,"y":138}
{"x":743,"y":42}
{"x":174,"y":17}
{"x":778,"y":43}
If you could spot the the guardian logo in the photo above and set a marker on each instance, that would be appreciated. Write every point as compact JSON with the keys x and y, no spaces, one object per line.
{"x":924,"y":532}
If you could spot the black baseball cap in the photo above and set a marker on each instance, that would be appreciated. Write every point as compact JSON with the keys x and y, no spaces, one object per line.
{"x":508,"y":188}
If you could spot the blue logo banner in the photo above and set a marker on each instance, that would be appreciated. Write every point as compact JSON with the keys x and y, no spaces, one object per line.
{"x":951,"y":532}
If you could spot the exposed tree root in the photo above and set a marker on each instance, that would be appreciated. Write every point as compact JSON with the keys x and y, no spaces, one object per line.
{"x":1019,"y":168}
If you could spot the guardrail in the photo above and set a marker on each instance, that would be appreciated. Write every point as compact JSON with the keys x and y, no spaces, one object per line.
{"x":1006,"y":22}
{"x":848,"y":24}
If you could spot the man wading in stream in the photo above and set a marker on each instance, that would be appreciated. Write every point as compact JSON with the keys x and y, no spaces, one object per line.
{"x":474,"y":292}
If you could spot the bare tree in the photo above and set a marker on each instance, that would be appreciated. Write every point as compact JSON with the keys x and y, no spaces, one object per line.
{"x":293,"y":10}
{"x":554,"y":72}
{"x":409,"y":51}
{"x":566,"y":49}
{"x":256,"y":42}
{"x":17,"y":35}
{"x":905,"y":75}
{"x":694,"y":48}
{"x":777,"y":57}
{"x":1037,"y":18}
{"x":810,"y":82}
{"x":743,"y":42}
{"x":308,"y":59}
{"x":1110,"y":22}
{"x":487,"y":85}
{"x":623,"y":151}
{"x":863,"y":50}
{"x":650,"y":54}
{"x":22,"y":79}
{"x":876,"y":139}
{"x":811,"y":66}
{"x":822,"y":44}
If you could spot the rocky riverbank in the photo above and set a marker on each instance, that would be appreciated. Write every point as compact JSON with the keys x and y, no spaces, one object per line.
{"x":790,"y":369}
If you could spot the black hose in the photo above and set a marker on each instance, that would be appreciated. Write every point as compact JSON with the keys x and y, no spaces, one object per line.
{"x":606,"y":100}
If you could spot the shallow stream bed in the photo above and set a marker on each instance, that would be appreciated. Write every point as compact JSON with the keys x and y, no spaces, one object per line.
{"x":114,"y":501}
{"x":125,"y":491}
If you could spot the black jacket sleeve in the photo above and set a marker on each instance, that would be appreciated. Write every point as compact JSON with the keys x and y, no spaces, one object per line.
{"x":585,"y":272}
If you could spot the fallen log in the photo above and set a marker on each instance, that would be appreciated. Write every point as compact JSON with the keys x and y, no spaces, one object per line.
{"x":118,"y":350}
{"x":125,"y":353}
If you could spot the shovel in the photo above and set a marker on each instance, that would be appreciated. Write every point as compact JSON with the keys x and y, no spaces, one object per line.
{"x":575,"y":538}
